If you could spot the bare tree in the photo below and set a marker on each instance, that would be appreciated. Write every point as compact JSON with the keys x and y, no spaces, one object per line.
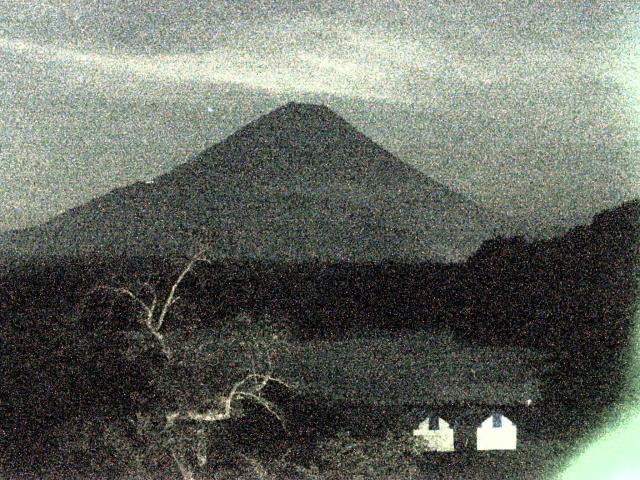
{"x":250,"y":388}
{"x":250,"y":346}
{"x":154,"y":312}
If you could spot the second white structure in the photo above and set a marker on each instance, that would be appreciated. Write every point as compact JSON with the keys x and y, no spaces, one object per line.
{"x":497,"y":433}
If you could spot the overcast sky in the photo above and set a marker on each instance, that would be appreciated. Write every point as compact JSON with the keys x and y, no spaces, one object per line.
{"x":532,"y":107}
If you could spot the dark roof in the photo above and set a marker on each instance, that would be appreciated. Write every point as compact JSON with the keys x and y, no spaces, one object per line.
{"x":412,"y":369}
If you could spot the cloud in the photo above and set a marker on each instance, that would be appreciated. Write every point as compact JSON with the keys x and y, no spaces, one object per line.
{"x":344,"y":63}
{"x":293,"y":72}
{"x":461,"y":90}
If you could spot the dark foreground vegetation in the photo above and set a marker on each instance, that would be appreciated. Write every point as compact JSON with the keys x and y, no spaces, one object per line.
{"x":117,"y":427}
{"x":86,"y":386}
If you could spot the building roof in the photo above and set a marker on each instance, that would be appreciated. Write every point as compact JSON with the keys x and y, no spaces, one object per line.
{"x":411,"y":369}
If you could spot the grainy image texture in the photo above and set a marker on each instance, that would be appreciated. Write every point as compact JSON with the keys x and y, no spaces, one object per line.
{"x":319,"y":240}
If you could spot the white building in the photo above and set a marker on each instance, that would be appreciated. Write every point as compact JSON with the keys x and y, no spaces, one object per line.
{"x":497,"y":433}
{"x":434,"y":435}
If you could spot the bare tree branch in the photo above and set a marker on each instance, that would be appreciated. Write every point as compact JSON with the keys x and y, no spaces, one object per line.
{"x":249,"y":388}
{"x":236,"y":393}
{"x":269,"y":406}
{"x":185,"y":471}
{"x":130,"y":294}
{"x":170,"y":300}
{"x":153,"y":324}
{"x":258,"y":468}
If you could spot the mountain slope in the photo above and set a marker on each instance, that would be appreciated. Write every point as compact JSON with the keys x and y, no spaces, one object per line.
{"x":297,"y":183}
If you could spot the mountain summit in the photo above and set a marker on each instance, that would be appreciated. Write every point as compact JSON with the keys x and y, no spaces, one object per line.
{"x":297,"y":183}
{"x":303,"y":142}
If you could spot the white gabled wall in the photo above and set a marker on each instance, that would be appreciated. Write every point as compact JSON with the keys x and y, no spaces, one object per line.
{"x":497,"y":438}
{"x":440,"y":440}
